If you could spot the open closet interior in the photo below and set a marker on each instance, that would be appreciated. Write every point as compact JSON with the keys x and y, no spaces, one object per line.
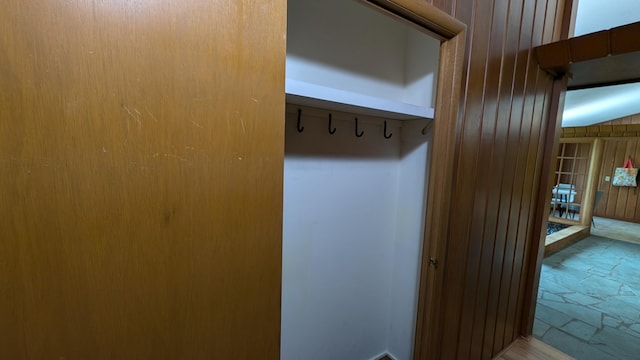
{"x":360,"y":94}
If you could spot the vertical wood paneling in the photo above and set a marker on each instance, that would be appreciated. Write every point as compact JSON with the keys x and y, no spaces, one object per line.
{"x":618,"y":194}
{"x":444,"y":5}
{"x":608,"y":164}
{"x":549,"y":129}
{"x":484,"y":210}
{"x":620,"y":203}
{"x":495,"y":127}
{"x":632,"y":196}
{"x":503,"y":255}
{"x":521,"y":125}
{"x":458,"y":306}
{"x":529,"y":234}
{"x":636,"y":217}
{"x":501,"y":151}
{"x":631,"y":119}
{"x":141,"y":152}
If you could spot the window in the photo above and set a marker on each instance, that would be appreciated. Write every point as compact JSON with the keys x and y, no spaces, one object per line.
{"x":571,"y":172}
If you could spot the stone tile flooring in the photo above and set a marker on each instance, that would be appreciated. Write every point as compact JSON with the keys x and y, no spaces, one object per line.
{"x":589,"y":300}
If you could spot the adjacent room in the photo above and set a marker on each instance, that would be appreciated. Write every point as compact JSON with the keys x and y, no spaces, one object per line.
{"x":589,"y":293}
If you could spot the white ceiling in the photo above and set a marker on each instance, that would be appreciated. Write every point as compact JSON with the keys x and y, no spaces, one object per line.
{"x":591,"y":106}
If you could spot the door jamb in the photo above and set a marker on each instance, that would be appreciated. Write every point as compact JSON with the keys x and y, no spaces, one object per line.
{"x":452,"y":34}
{"x":533,"y":265}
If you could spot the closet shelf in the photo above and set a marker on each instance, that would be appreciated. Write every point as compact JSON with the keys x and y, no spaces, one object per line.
{"x":308,"y":94}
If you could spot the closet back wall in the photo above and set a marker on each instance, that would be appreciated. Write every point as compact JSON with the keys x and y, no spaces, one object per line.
{"x":353,"y":226}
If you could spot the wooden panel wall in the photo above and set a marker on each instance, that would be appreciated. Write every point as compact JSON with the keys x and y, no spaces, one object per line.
{"x":502,"y":144}
{"x":631,"y":119}
{"x":621,"y":139}
{"x":141,"y":152}
{"x":621,"y":203}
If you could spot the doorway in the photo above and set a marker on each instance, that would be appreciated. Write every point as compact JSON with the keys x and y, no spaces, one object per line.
{"x":356,"y":171}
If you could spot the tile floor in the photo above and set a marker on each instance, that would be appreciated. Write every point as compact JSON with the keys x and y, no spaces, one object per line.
{"x":589,"y":299}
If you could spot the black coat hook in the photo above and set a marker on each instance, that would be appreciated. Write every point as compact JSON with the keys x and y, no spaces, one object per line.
{"x":300,"y":128}
{"x":385,"y":131}
{"x":331,"y":131}
{"x":361,"y":133}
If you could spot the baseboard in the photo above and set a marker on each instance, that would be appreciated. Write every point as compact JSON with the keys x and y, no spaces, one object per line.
{"x":383,"y":356}
{"x":563,"y":238}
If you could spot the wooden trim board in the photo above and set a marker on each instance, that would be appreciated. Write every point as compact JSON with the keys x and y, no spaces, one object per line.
{"x":531,"y":349}
{"x":440,"y":192}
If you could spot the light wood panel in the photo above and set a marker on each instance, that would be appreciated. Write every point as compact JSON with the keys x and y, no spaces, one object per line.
{"x":141,"y":152}
{"x":428,"y":18}
{"x":622,"y":203}
{"x":617,"y":202}
{"x":531,"y":349}
{"x":631,"y":119}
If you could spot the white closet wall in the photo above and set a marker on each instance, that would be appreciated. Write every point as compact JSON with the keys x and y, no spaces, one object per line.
{"x":407,"y":249}
{"x":353,"y":214}
{"x":353,"y":206}
{"x":344,"y":52}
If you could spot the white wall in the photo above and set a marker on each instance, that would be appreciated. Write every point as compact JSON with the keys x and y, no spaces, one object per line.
{"x":407,"y":245}
{"x":325,"y":47}
{"x":422,"y":60}
{"x":596,"y":15}
{"x":353,"y":210}
{"x":346,"y":45}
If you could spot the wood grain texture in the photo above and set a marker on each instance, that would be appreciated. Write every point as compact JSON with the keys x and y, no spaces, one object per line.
{"x":440,"y":194}
{"x":605,"y":57}
{"x":621,"y":203}
{"x":531,"y":349}
{"x":534,"y":251}
{"x":141,"y":152}
{"x":631,"y":119}
{"x":495,"y":227}
{"x":595,"y":164}
{"x":428,"y":18}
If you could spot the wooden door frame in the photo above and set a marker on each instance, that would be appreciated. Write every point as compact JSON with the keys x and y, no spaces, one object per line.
{"x":535,"y":250}
{"x":452,"y":34}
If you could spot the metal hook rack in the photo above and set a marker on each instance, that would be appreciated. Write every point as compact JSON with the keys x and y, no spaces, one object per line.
{"x":361,"y":132}
{"x":385,"y":131}
{"x":331,"y":131}
{"x":299,"y":127}
{"x":358,"y":130}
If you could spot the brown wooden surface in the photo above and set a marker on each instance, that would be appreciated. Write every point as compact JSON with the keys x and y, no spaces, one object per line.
{"x":534,"y":250}
{"x":602,"y":58}
{"x":531,"y":349}
{"x":631,"y":119}
{"x":141,"y":149}
{"x":141,"y":159}
{"x":428,"y":18}
{"x":622,"y":203}
{"x":591,"y":188}
{"x":498,"y":169}
{"x":564,"y":238}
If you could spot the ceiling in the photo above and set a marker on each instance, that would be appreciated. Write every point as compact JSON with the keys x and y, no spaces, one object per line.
{"x":590,"y":106}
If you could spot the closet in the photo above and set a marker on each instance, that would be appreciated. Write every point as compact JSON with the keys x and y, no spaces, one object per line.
{"x":360,"y":92}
